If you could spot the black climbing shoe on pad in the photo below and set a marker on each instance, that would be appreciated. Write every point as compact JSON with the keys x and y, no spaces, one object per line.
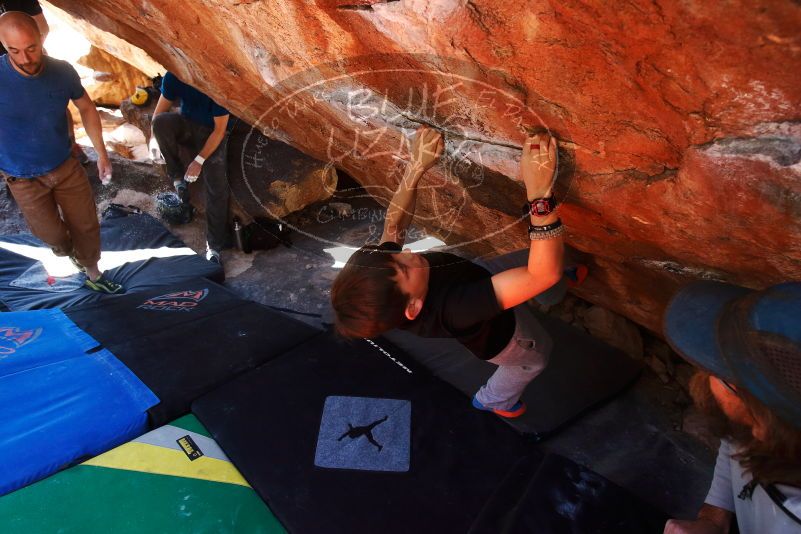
{"x":104,"y":285}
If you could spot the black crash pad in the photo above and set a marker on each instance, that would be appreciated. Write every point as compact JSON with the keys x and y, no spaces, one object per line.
{"x":582,"y":373}
{"x":269,"y":420}
{"x":185,"y":339}
{"x":553,"y":495}
{"x":25,"y":284}
{"x":466,"y":471}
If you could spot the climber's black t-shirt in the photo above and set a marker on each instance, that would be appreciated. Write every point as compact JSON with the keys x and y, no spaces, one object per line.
{"x":31,"y":7}
{"x":461,"y":304}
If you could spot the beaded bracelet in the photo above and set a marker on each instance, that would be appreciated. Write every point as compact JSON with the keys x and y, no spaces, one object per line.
{"x":548,"y":234}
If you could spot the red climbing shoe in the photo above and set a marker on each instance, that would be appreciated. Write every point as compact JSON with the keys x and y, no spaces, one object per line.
{"x":575,"y":275}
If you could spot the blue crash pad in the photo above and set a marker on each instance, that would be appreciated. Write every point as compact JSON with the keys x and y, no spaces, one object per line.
{"x":62,"y":397}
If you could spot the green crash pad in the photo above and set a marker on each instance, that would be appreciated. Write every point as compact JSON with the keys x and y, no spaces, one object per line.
{"x":174,"y":479}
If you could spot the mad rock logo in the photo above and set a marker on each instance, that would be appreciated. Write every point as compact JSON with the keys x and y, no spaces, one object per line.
{"x":12,"y":338}
{"x":179,"y":301}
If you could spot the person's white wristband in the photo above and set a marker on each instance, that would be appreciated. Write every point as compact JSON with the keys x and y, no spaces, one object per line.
{"x":200,"y":159}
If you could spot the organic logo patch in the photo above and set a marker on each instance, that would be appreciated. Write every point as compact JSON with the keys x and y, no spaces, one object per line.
{"x":364,"y":433}
{"x":12,"y":338}
{"x":189,"y":447}
{"x":177,"y":301}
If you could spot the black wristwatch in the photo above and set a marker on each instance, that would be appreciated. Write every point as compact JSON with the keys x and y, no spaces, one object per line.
{"x":540,"y":207}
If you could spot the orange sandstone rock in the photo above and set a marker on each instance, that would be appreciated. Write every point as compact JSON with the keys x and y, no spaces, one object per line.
{"x":680,"y":121}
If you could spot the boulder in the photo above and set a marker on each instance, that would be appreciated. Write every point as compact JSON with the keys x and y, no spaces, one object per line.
{"x":106,"y":40}
{"x":617,"y":331}
{"x":139,"y":116}
{"x":272,"y":179}
{"x":684,"y":374}
{"x":129,"y":142}
{"x":113,"y":79}
{"x":681,"y":145}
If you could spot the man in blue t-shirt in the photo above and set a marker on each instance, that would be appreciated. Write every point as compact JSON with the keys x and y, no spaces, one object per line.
{"x":201,"y":128}
{"x":34,"y":9}
{"x":35,"y":148}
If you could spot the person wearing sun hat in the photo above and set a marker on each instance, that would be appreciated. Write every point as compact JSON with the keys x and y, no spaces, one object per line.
{"x":747,"y":346}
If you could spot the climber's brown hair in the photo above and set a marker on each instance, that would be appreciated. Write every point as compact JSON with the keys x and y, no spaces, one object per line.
{"x":365,"y":296}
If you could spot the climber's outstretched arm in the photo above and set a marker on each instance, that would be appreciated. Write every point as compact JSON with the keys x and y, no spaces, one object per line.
{"x":426,"y":148}
{"x":544,"y":269}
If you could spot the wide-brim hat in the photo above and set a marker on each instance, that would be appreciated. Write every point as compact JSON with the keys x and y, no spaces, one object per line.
{"x":749,"y":338}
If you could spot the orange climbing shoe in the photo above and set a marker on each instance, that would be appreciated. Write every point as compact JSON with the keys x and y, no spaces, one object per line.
{"x":517,"y":410}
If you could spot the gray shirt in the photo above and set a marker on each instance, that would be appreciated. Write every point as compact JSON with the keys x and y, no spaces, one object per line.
{"x":759,"y":514}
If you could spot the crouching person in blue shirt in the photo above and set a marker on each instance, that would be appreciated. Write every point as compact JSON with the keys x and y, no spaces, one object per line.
{"x":35,"y":148}
{"x":201,"y":128}
{"x":748,"y":347}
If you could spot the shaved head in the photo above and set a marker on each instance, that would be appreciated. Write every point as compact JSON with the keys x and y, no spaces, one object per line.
{"x":22,"y":39}
{"x":19,"y":22}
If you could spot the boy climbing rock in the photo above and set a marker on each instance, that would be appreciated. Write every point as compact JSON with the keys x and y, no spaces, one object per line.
{"x":442,"y":295}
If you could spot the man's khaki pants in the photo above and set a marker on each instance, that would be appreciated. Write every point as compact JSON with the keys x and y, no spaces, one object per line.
{"x":66,"y":187}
